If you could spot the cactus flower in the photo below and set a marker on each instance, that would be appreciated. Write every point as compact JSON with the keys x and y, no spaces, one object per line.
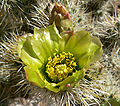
{"x":57,"y":61}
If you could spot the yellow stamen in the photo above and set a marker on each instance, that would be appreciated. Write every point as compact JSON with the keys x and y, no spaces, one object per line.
{"x":60,"y":66}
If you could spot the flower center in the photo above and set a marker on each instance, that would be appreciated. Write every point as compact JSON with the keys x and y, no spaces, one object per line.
{"x":60,"y":66}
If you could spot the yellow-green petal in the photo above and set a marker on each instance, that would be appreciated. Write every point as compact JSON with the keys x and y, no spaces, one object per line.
{"x":33,"y":76}
{"x":26,"y":53}
{"x":84,"y":48}
{"x":28,"y":60}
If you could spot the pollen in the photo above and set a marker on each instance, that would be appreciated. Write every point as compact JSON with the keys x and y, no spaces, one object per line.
{"x":60,"y":66}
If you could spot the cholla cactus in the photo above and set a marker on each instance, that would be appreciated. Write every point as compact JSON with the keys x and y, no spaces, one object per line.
{"x":8,"y":25}
{"x":8,"y":22}
{"x":109,"y":25}
{"x":108,"y":30}
{"x":111,"y":81}
{"x":15,"y":16}
{"x":55,"y":62}
{"x":94,"y":7}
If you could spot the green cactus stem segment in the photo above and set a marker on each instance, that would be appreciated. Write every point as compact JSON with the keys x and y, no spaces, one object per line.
{"x":60,"y":66}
